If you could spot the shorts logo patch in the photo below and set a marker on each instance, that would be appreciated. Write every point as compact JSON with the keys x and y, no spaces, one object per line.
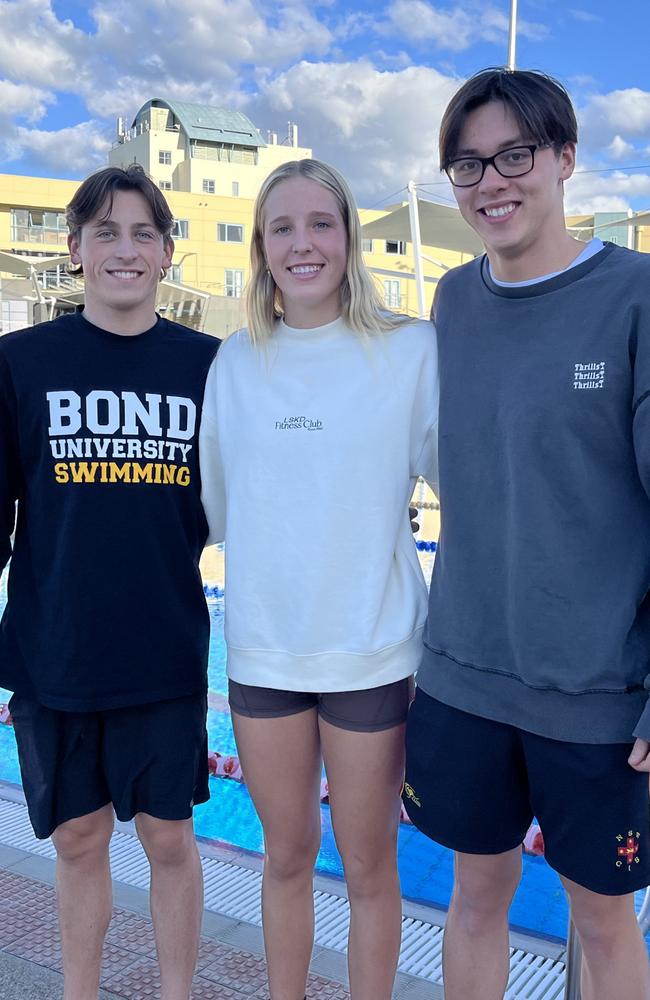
{"x":628,"y":849}
{"x":410,"y":794}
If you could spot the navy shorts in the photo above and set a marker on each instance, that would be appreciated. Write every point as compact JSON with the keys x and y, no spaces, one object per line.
{"x":475,"y":785}
{"x":145,"y":758}
{"x":370,"y":710}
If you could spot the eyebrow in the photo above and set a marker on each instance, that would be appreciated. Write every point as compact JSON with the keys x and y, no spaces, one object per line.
{"x":517,"y":140}
{"x":110,"y":224}
{"x":310,"y":215}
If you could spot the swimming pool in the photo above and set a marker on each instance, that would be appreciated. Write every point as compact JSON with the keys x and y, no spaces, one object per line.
{"x":426,"y":870}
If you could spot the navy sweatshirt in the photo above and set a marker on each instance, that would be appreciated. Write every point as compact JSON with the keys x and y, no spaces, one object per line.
{"x":98,"y":443}
{"x":539,"y":613}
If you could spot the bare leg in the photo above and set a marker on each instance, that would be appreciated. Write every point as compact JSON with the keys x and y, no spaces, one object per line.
{"x":83,"y":888}
{"x":365,"y":772}
{"x":176,"y":899}
{"x":614,"y":958}
{"x":280,"y":759}
{"x":475,"y":953}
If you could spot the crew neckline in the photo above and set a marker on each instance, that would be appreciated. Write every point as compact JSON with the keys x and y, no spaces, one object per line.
{"x":118,"y":338}
{"x":551,"y":284}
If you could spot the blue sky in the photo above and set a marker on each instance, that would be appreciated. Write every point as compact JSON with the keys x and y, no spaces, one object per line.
{"x":365,"y":81}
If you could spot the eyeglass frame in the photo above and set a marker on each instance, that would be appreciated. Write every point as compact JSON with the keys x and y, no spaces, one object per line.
{"x":487,"y":161}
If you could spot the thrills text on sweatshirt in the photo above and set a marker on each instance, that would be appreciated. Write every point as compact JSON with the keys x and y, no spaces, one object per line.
{"x":98,"y":442}
{"x":319,"y":438}
{"x":539,"y":610}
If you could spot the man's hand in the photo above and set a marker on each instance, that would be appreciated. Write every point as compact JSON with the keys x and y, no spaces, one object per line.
{"x":639,"y":759}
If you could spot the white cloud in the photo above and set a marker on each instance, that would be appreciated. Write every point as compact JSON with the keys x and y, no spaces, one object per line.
{"x":36,"y":47}
{"x":619,"y":149}
{"x":23,"y":101}
{"x":78,"y":149}
{"x":455,"y":29}
{"x":586,"y":16}
{"x":621,"y":112}
{"x":614,"y":191}
{"x":379,"y":127}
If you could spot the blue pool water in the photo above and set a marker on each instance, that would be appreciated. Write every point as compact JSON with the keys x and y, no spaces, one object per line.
{"x":426,"y":870}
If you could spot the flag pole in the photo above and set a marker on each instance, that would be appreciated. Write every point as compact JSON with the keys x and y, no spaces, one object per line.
{"x":512,"y":35}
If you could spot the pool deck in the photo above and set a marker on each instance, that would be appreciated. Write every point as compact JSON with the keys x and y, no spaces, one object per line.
{"x":230,"y":964}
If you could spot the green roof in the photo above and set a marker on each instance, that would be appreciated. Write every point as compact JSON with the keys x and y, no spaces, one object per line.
{"x":208,"y":124}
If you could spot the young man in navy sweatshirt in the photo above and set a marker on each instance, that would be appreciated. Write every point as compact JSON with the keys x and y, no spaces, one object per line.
{"x":104,"y":640}
{"x":532,"y":694}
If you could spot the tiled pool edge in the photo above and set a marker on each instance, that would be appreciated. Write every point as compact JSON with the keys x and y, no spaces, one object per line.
{"x":232,"y":880}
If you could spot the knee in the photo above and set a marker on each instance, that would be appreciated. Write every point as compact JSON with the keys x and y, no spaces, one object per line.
{"x":601,"y":929}
{"x":484,"y":893}
{"x":290,"y":859}
{"x":83,"y":839}
{"x":368,"y":872}
{"x":168,"y":843}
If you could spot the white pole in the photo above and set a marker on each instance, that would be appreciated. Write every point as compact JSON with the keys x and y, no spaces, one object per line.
{"x":414,"y":219}
{"x":573,"y":964}
{"x":512,"y":34}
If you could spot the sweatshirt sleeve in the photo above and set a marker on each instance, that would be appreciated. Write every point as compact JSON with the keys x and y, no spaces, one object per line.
{"x":641,"y":441}
{"x":424,"y":452}
{"x":213,"y":492}
{"x":9,"y":465}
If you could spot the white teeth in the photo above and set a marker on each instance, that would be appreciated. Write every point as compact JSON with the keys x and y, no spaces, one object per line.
{"x":502,"y":210}
{"x":125,"y":274}
{"x":305,"y":268}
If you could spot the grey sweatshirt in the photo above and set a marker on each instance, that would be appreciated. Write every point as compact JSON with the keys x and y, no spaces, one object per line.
{"x":539,"y":613}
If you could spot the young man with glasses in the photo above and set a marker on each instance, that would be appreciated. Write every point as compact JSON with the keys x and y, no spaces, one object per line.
{"x":532,"y":694}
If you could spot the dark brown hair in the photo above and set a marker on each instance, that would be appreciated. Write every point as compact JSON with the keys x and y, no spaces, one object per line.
{"x":539,"y":104}
{"x":98,"y":190}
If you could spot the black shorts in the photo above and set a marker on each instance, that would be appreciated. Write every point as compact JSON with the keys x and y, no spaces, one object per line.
{"x":474,"y":785}
{"x":145,"y":758}
{"x":368,"y":711}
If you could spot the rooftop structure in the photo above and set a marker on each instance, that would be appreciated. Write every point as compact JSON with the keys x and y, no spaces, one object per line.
{"x":201,"y":149}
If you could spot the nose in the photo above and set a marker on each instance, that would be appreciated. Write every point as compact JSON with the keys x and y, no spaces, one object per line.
{"x":492,"y":180}
{"x":125,"y":248}
{"x":302,"y":241}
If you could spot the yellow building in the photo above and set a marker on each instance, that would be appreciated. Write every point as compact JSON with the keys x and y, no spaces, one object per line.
{"x":210,"y":163}
{"x":201,"y":149}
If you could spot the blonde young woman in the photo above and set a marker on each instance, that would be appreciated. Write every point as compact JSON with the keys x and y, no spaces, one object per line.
{"x":316,"y":421}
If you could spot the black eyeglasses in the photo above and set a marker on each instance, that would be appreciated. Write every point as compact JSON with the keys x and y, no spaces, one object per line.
{"x":467,"y":171}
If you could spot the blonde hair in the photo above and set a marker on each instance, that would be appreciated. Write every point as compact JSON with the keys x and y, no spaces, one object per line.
{"x":361,"y":306}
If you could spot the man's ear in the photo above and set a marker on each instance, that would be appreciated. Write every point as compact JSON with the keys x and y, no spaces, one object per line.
{"x":74,"y":247}
{"x":567,"y":160}
{"x":168,"y":250}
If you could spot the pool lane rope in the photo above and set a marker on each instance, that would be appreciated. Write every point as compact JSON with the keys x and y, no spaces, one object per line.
{"x":227,"y":766}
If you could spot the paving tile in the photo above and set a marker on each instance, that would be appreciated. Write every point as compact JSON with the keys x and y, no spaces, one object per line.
{"x":237,"y":970}
{"x":40,"y":945}
{"x":131,"y":931}
{"x":29,"y":931}
{"x":139,"y":982}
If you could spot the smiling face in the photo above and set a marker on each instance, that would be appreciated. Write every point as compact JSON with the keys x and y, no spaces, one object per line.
{"x":305,"y":246}
{"x":122,"y":254}
{"x":520,"y":219}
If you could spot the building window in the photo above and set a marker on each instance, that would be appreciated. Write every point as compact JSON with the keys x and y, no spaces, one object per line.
{"x":228,"y":232}
{"x":366,"y":246}
{"x":33,"y":225}
{"x":208,"y":187}
{"x":175,"y":273}
{"x":396,"y":246}
{"x":234,"y":283}
{"x":165,"y":185}
{"x":392,"y":293}
{"x":165,"y":157}
{"x":181,"y":229}
{"x":235,"y":189}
